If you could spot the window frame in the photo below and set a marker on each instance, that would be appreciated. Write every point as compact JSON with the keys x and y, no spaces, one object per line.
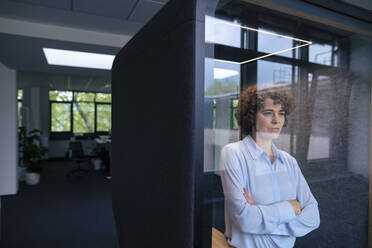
{"x":68,"y":134}
{"x":249,"y":47}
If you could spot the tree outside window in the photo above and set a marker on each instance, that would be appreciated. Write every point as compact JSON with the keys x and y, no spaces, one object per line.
{"x":80,"y":112}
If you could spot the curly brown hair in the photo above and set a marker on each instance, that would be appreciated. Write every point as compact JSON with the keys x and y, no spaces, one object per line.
{"x":251,"y":101}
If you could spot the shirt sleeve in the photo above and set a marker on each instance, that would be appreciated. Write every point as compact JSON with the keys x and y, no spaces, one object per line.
{"x":309,"y":218}
{"x":257,"y":219}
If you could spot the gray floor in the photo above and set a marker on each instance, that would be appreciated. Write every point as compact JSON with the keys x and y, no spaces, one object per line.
{"x":60,"y":212}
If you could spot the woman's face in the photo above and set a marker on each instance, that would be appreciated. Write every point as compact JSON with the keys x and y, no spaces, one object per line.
{"x":269,"y":120}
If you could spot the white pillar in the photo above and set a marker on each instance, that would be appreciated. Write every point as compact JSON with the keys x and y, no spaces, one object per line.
{"x":8,"y":132}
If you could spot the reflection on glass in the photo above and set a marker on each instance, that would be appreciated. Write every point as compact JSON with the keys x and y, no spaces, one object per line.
{"x":325,"y":136}
{"x":269,"y":75}
{"x":319,"y":146}
{"x":267,"y":199}
{"x":272,"y":74}
{"x":222,"y":83}
{"x":269,"y":43}
{"x":221,"y":34}
{"x":320,"y":54}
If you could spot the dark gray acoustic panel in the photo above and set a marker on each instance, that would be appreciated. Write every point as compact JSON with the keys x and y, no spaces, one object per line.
{"x":157,"y":130}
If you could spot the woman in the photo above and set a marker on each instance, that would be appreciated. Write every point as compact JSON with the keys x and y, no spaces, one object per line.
{"x":268,"y":202}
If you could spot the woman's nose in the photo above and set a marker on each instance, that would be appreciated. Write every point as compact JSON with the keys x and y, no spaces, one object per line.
{"x":275,"y":118}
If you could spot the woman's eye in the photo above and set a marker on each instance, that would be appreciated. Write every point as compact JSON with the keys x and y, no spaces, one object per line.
{"x":282,"y":113}
{"x":266,"y":113}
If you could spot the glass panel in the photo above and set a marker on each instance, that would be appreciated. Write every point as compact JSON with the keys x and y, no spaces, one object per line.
{"x":271,"y":74}
{"x":103,"y":97}
{"x":223,"y":32}
{"x":272,"y":42}
{"x":320,"y":54}
{"x":222,"y":83}
{"x":84,"y":97}
{"x":234,"y":105}
{"x":301,"y":143}
{"x":103,"y":117}
{"x":19,"y":113}
{"x":83,"y":117}
{"x":60,"y":96}
{"x":324,"y":107}
{"x":222,"y":87}
{"x":61,"y":117}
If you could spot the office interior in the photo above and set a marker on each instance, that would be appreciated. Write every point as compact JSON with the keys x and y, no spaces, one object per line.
{"x":319,"y":50}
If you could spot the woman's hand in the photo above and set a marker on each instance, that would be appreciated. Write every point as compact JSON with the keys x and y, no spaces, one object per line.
{"x":296,"y":206}
{"x":247,"y":197}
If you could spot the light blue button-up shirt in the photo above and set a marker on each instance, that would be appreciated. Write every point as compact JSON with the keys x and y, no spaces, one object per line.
{"x":271,"y":221}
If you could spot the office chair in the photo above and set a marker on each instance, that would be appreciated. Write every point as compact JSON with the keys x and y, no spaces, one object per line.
{"x":77,"y":154}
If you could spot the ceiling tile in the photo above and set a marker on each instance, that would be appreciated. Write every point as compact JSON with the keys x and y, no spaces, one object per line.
{"x":65,"y":18}
{"x":159,"y":1}
{"x":145,"y":10}
{"x":108,"y":8}
{"x":58,"y":4}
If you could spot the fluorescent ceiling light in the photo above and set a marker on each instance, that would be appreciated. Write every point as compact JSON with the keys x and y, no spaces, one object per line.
{"x":220,"y":73}
{"x":306,"y":43}
{"x":78,"y":59}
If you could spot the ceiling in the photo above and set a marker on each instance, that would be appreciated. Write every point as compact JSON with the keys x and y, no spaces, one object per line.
{"x":26,"y":26}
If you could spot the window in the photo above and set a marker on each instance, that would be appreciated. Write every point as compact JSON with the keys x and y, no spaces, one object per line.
{"x":322,"y":54}
{"x":83,"y":112}
{"x":19,"y":106}
{"x":103,"y":112}
{"x":61,"y":117}
{"x":234,"y":122}
{"x":80,"y":112}
{"x":222,"y":32}
{"x":273,"y":42}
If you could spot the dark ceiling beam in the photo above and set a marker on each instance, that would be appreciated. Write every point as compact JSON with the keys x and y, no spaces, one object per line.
{"x":344,"y":8}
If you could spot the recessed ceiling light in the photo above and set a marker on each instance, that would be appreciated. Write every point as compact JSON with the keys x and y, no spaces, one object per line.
{"x":220,"y":73}
{"x":78,"y":59}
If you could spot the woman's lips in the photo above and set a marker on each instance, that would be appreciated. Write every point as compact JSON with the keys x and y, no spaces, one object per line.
{"x":274,"y":129}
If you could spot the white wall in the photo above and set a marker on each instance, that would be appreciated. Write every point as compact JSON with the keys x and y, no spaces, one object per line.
{"x":8,"y":132}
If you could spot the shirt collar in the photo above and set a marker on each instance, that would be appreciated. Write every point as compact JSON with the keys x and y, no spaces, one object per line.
{"x":277,"y":153}
{"x":256,"y":151}
{"x":253,"y":148}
